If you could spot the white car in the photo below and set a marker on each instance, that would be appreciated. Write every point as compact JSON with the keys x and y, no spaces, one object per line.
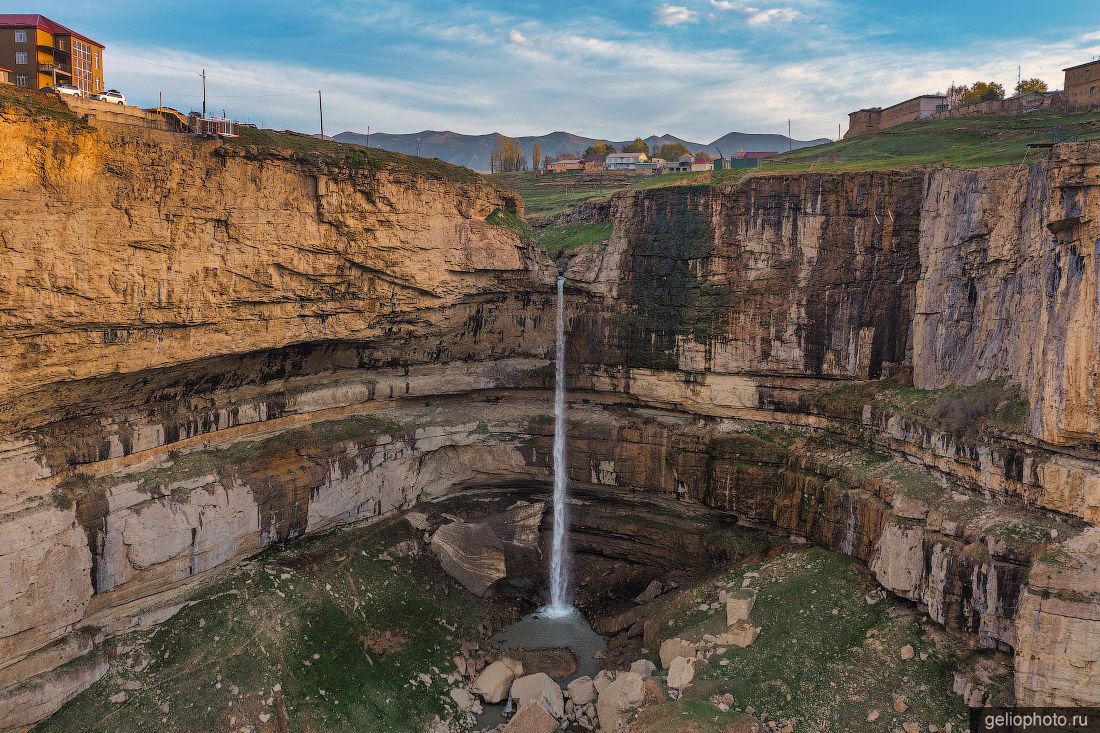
{"x":68,"y":90}
{"x":111,"y":95}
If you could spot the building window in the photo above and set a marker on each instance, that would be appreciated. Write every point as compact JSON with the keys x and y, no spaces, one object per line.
{"x":20,"y":80}
{"x":20,"y":36}
{"x":20,"y":57}
{"x":62,"y":44}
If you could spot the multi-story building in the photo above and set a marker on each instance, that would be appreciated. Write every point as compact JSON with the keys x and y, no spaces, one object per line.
{"x":1083,"y":84}
{"x":41,"y":52}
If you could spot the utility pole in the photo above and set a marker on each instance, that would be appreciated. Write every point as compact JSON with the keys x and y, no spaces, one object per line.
{"x":1019,"y":78}
{"x":321,"y":109}
{"x":418,"y":147}
{"x":790,"y":143}
{"x":161,"y":103}
{"x":204,"y":92}
{"x":838,"y":131}
{"x":368,"y":136}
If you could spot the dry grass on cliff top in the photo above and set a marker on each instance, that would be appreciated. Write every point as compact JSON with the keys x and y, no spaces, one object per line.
{"x":35,"y":104}
{"x":263,"y":144}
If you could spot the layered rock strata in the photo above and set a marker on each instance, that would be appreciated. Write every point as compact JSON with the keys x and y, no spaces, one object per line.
{"x":210,"y":348}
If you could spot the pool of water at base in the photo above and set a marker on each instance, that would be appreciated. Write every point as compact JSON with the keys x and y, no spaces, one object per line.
{"x":539,"y":630}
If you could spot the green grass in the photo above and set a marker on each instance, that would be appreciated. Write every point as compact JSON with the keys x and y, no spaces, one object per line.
{"x":262,"y":144}
{"x":972,"y":142}
{"x":556,"y":192}
{"x":568,"y":237}
{"x":824,"y":658}
{"x":691,"y":716}
{"x":502,"y":218}
{"x":303,"y":619}
{"x":962,"y":410}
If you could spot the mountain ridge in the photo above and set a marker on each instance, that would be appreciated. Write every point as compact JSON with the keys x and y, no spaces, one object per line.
{"x":474,"y":151}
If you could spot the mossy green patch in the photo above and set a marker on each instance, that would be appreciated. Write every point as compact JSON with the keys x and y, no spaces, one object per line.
{"x":825,"y":657}
{"x":568,"y":237}
{"x":325,"y":635}
{"x":508,"y":220}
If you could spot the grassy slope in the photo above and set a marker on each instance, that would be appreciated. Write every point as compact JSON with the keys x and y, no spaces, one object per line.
{"x":35,"y":104}
{"x":299,"y":618}
{"x":972,"y":142}
{"x":825,"y":658}
{"x":568,"y":237}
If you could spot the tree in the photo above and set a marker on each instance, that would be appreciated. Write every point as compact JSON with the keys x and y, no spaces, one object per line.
{"x":1031,"y":86}
{"x":672,"y":151}
{"x":507,"y":156}
{"x":983,"y":91}
{"x":597,"y":151}
{"x":703,"y":157}
{"x":638,"y":146}
{"x":566,"y":155}
{"x":536,"y":155}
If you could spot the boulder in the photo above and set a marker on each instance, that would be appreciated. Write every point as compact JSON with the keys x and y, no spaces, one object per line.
{"x":672,"y":648}
{"x":471,"y":554}
{"x":581,"y":691}
{"x":651,"y":591}
{"x":907,"y":652}
{"x":495,"y":680}
{"x":531,"y":719}
{"x":602,"y":680}
{"x":466,"y":702}
{"x":739,"y":605}
{"x":625,"y":694}
{"x":741,"y":634}
{"x":539,"y":689}
{"x":644,"y":667}
{"x":681,"y":672}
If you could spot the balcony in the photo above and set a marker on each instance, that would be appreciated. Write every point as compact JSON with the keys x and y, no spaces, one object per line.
{"x":59,"y":68}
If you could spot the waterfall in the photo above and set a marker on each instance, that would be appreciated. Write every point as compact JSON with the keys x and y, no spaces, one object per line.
{"x":849,"y":547}
{"x":559,"y":574}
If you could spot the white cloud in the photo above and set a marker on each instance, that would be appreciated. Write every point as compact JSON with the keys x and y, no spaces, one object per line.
{"x":516,"y":37}
{"x":763,"y":17}
{"x":596,"y":82}
{"x":672,"y":15}
{"x":760,"y":16}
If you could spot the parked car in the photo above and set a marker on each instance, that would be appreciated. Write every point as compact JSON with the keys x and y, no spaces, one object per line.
{"x":111,"y":95}
{"x":68,"y":90}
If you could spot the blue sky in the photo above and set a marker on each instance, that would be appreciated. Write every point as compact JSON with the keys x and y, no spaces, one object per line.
{"x":613,"y":69}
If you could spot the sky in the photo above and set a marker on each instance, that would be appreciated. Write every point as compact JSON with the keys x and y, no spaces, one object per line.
{"x":614,"y":69}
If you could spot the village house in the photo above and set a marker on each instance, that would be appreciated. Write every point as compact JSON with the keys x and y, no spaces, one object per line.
{"x":43,"y":53}
{"x":561,"y":166}
{"x":869,"y":120}
{"x":624,"y":161}
{"x":680,"y":165}
{"x":5,"y":75}
{"x":698,"y":166}
{"x":1082,"y":85}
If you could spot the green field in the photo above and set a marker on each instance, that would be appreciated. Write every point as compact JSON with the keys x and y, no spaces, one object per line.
{"x":555,"y":192}
{"x":971,"y":142}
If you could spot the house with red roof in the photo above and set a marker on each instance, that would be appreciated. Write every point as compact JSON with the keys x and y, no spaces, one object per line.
{"x":40,"y":53}
{"x":5,"y":75}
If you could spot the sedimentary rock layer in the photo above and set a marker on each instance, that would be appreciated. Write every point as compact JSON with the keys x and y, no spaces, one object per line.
{"x":209,"y":348}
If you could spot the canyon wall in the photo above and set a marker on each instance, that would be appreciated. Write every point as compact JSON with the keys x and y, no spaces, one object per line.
{"x":210,"y":347}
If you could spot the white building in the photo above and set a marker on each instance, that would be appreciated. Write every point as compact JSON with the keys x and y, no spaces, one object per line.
{"x":624,"y":161}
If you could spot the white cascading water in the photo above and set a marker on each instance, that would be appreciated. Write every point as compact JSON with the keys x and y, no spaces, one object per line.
{"x":559,"y":574}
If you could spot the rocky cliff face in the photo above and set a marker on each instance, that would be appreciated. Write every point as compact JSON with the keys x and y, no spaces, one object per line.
{"x":211,"y":348}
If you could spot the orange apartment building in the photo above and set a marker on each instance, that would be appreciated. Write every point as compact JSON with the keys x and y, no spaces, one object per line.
{"x":41,"y":52}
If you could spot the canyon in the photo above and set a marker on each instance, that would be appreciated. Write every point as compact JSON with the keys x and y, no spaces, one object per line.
{"x":211,"y":348}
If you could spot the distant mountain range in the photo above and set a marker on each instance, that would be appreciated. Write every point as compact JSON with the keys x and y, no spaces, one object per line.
{"x":473,"y":151}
